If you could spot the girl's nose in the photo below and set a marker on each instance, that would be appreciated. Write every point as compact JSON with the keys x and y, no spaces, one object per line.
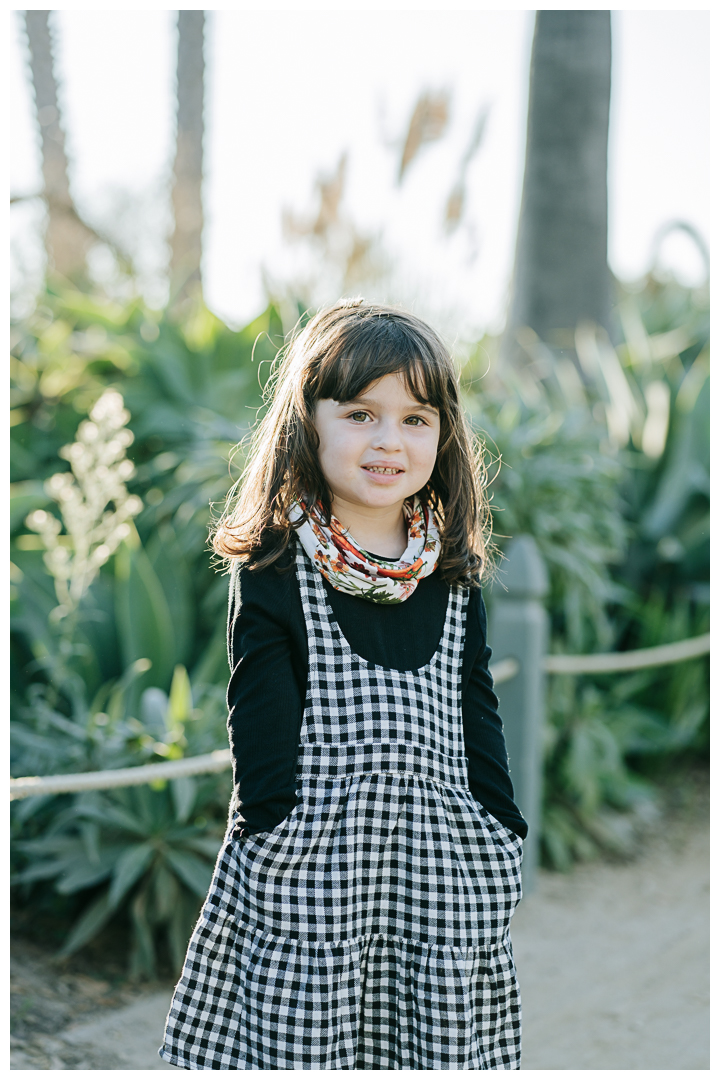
{"x":387,"y":436}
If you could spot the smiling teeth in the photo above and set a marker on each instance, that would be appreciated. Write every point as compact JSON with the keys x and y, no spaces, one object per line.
{"x":376,"y":468}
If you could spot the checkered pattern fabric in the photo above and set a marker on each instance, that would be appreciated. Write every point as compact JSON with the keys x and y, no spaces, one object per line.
{"x":370,"y":929}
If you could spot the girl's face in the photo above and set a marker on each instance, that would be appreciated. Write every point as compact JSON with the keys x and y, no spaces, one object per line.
{"x":378,"y":450}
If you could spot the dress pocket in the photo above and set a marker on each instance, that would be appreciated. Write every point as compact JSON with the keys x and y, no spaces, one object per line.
{"x":266,"y":834}
{"x":497,"y":826}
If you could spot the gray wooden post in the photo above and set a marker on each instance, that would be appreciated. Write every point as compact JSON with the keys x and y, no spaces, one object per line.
{"x":519,"y":629}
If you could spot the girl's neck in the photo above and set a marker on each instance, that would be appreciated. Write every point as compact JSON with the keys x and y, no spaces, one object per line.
{"x":383,"y":532}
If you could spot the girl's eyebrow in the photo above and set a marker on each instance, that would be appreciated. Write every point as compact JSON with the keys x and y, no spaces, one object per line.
{"x":419,"y":407}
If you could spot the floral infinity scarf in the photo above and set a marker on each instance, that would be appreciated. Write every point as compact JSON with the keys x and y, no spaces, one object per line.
{"x":350,"y":569}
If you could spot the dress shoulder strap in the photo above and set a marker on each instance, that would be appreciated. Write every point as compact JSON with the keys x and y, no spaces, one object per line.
{"x":314,"y":605}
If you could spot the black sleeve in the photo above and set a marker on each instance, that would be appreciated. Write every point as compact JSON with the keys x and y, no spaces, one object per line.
{"x":488,"y":773}
{"x":266,"y":696}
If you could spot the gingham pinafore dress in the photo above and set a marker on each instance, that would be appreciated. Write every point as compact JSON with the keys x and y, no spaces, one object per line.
{"x":370,"y":928}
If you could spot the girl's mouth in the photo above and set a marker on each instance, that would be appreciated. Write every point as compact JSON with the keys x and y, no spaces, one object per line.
{"x":381,"y":470}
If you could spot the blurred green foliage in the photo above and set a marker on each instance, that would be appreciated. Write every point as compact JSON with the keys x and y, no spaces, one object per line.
{"x":605,"y":462}
{"x":606,"y":466}
{"x":142,"y":676}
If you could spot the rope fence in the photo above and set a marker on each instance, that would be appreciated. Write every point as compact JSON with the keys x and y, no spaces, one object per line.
{"x":24,"y":786}
{"x":599,"y":663}
{"x":219,"y":760}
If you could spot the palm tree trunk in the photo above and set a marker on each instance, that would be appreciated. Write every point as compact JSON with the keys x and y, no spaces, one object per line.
{"x":561,"y":271}
{"x":186,"y":241}
{"x":67,"y":239}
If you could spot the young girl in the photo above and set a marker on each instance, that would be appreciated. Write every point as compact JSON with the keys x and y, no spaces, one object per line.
{"x":359,"y":913}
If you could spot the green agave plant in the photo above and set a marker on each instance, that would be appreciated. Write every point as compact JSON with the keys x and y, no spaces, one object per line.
{"x":151,"y":851}
{"x":192,"y":392}
{"x":154,"y":845}
{"x":610,"y":475}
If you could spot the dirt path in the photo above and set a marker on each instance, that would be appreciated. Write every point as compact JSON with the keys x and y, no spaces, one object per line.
{"x":614,"y":962}
{"x":612,"y":959}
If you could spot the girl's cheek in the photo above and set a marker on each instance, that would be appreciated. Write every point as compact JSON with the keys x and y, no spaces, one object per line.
{"x":432,"y":446}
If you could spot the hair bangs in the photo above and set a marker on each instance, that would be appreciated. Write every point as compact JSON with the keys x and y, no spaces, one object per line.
{"x":374,"y":348}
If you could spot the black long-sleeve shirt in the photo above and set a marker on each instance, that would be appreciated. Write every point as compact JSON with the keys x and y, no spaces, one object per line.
{"x":268,"y":654}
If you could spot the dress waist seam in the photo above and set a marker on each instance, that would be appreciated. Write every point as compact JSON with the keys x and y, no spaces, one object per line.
{"x":488,"y":950}
{"x":400,"y":774}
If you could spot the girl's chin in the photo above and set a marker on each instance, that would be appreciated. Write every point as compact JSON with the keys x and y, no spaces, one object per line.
{"x":378,"y":500}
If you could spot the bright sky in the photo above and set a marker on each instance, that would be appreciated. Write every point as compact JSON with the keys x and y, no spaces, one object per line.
{"x":288,"y":92}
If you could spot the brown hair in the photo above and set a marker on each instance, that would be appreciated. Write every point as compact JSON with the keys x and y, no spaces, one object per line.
{"x":340,"y":352}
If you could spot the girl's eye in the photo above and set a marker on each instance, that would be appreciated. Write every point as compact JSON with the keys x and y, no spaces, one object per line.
{"x":415,"y":420}
{"x":358,"y":416}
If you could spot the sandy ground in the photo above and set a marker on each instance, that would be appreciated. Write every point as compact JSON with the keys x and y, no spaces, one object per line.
{"x":612,"y":960}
